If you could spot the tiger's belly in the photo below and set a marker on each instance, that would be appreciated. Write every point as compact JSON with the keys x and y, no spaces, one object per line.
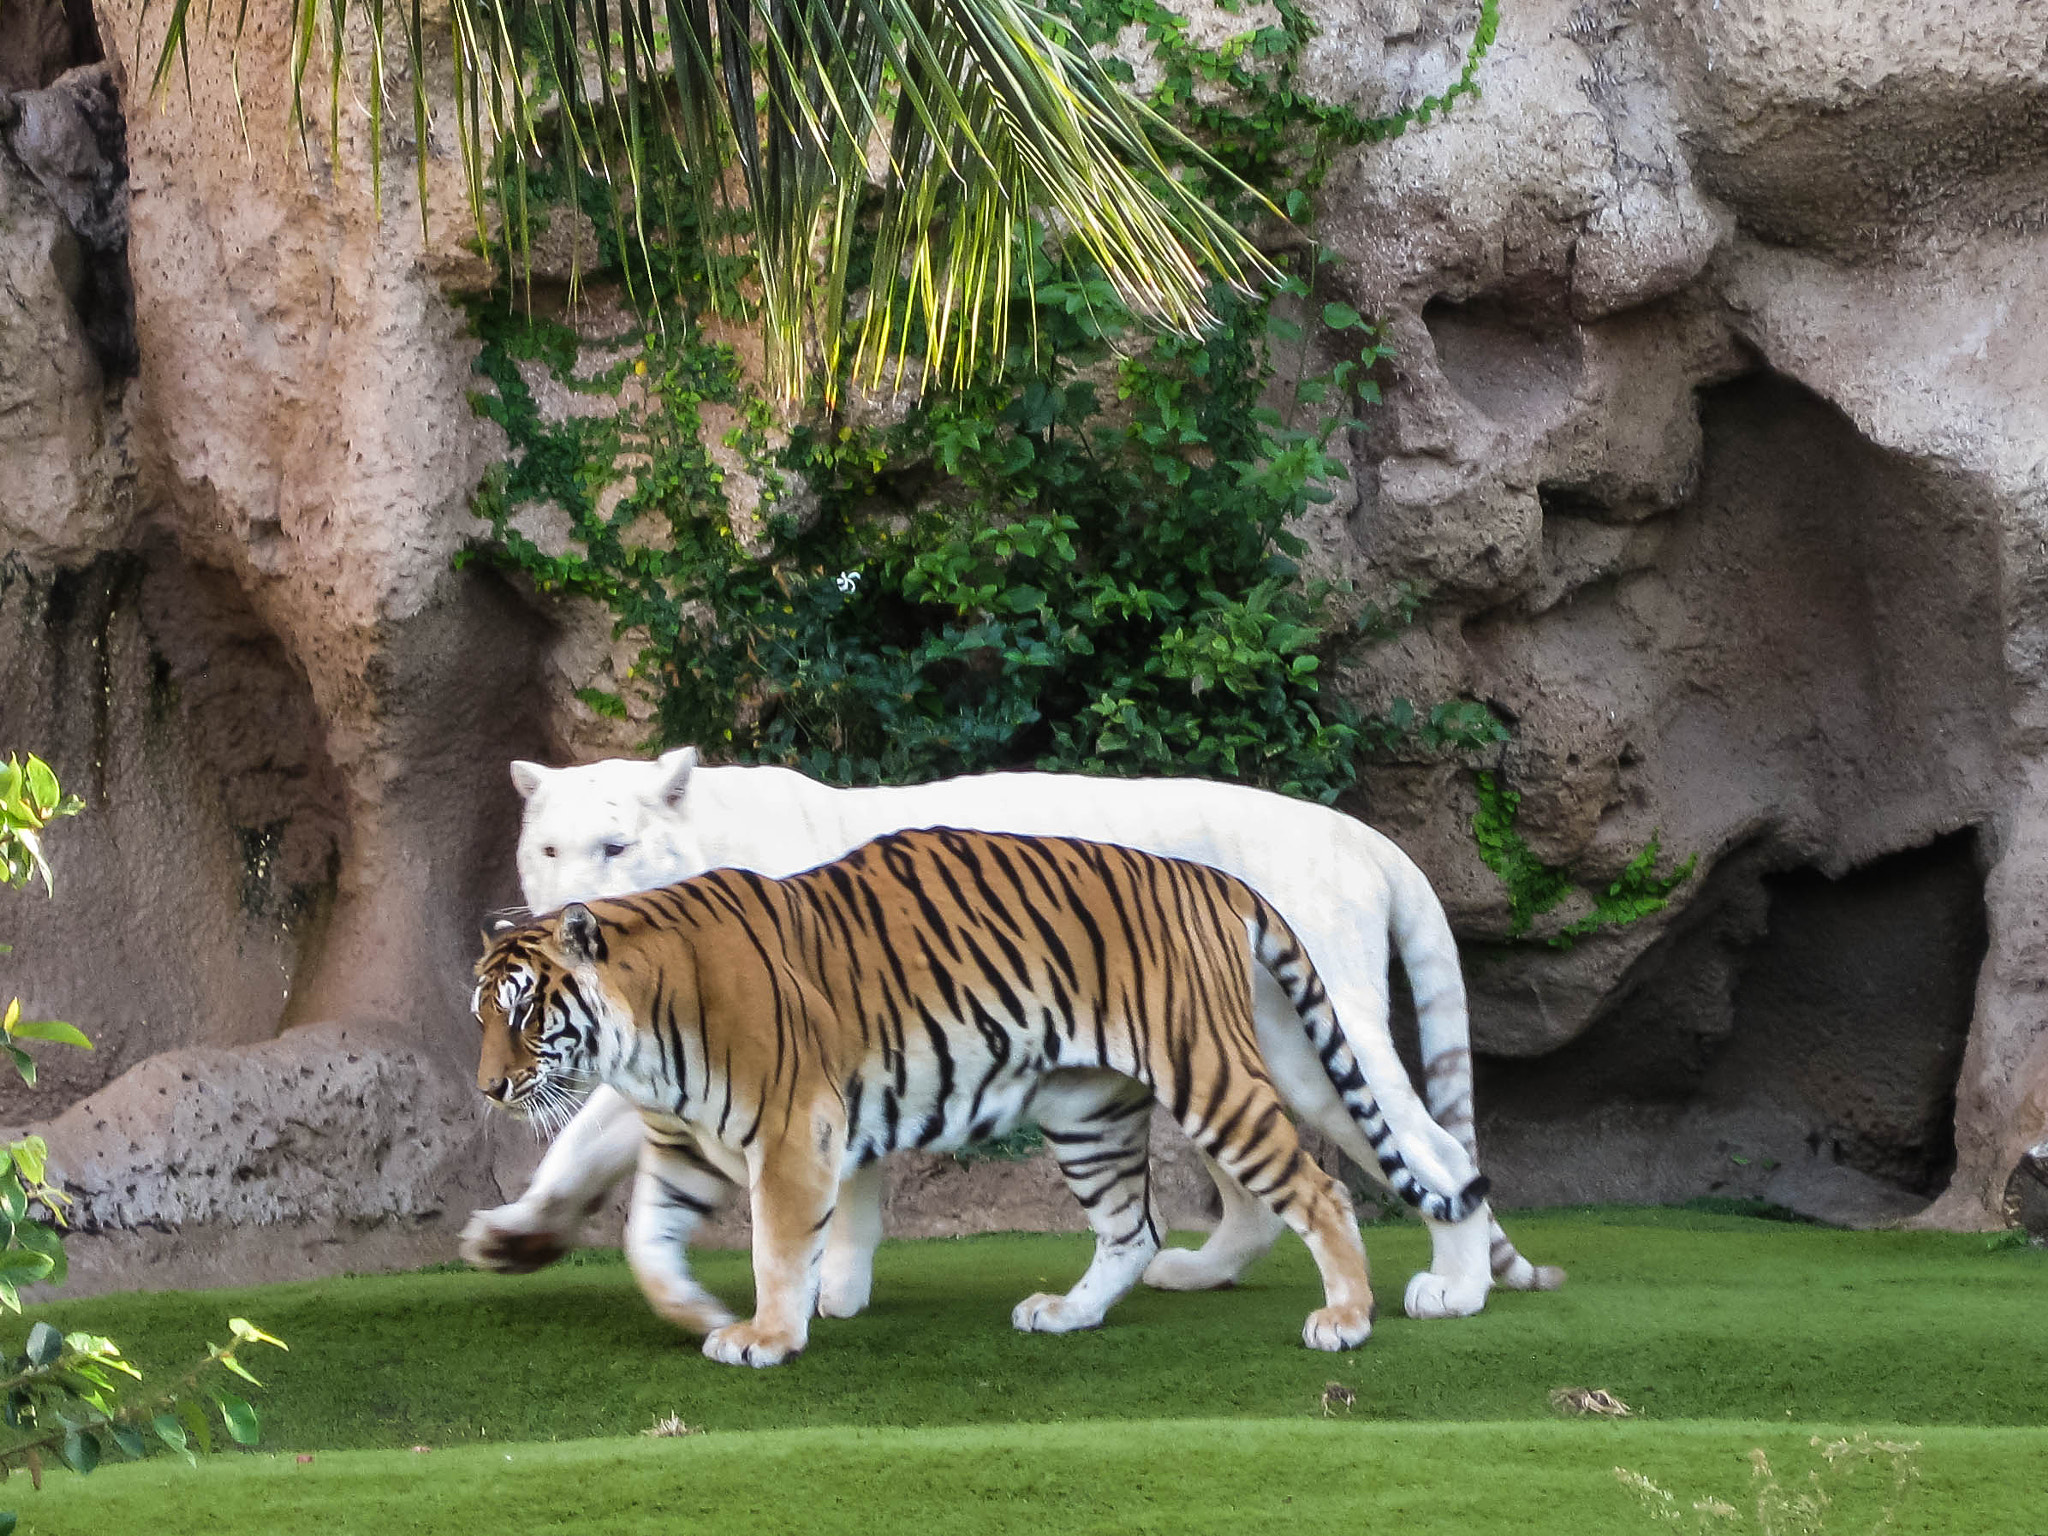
{"x":940,"y":1104}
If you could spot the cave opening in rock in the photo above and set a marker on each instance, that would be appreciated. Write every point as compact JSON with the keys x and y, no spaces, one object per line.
{"x":1858,"y":1001}
{"x":192,"y":891}
{"x":1790,"y":1017}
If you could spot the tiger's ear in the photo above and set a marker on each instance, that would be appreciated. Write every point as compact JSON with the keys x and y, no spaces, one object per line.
{"x":526,"y":778}
{"x":581,"y":937}
{"x":676,"y":767}
{"x":490,"y":935}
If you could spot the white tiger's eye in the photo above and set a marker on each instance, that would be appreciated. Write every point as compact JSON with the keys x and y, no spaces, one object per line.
{"x":549,"y":851}
{"x":613,"y":850}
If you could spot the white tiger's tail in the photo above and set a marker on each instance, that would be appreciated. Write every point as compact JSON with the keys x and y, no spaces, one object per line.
{"x":1429,"y":954}
{"x":1276,"y":948}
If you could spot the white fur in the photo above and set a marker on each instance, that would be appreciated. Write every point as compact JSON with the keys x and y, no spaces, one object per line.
{"x":618,"y":826}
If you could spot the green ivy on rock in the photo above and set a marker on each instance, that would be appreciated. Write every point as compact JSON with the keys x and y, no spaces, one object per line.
{"x":1535,"y":887}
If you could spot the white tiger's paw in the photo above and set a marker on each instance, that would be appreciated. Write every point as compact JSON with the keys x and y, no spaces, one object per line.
{"x":1433,"y":1295}
{"x":1046,"y":1313}
{"x":511,"y":1241}
{"x":1186,"y":1269}
{"x":1335,"y":1328}
{"x":750,"y":1344}
{"x":844,"y":1295}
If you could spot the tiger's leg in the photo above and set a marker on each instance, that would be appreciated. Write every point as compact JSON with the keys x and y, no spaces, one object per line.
{"x":676,"y":1189}
{"x":849,"y":1269}
{"x":794,"y":1179}
{"x":1259,"y":1149}
{"x":1098,"y":1125}
{"x":1246,"y":1229}
{"x":592,"y":1154}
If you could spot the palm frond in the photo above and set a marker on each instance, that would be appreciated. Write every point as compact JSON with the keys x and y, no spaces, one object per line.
{"x":761,"y":115}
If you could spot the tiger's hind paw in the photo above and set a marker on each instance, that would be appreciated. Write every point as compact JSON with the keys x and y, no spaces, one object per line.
{"x":750,"y":1344}
{"x":1046,"y":1313}
{"x":1335,"y":1328}
{"x":1433,"y":1295}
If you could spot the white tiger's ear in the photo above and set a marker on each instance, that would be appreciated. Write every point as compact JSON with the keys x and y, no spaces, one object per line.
{"x":581,"y":936}
{"x":676,"y":768}
{"x":526,"y":778}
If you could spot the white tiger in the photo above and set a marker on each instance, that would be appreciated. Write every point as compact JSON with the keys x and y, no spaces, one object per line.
{"x":615,"y":827}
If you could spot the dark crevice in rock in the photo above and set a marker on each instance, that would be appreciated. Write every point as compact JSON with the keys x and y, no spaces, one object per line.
{"x":84,"y":31}
{"x":192,"y":893}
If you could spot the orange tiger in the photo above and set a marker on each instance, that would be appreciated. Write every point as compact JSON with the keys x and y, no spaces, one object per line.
{"x":933,"y":989}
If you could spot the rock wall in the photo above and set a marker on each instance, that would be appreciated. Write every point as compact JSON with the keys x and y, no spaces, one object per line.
{"x":1715,"y":435}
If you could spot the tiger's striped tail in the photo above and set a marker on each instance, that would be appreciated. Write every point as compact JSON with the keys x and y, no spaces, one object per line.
{"x":1276,"y":948}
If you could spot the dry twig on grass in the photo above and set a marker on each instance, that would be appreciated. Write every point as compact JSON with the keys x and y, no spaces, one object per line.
{"x":670,"y":1428}
{"x":1585,"y":1400}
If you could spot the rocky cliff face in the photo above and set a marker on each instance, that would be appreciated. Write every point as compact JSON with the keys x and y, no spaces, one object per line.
{"x":1716,"y":438}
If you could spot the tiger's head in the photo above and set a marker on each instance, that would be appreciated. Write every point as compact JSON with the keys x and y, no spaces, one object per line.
{"x":541,"y":1003}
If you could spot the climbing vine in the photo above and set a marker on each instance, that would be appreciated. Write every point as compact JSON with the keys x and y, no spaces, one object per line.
{"x":1262,"y":125}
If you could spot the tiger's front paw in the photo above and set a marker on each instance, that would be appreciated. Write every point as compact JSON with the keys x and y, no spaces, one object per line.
{"x":1430,"y":1294}
{"x":1335,"y":1328}
{"x":507,"y":1241}
{"x":749,"y":1343}
{"x":1046,"y":1313}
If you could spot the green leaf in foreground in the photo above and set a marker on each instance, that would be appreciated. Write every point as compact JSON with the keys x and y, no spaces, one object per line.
{"x":81,"y":1451}
{"x":24,"y":1266}
{"x":239,"y":1418}
{"x":54,"y":1030}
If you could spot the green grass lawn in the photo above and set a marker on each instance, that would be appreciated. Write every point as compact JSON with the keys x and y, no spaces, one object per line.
{"x":1185,"y":1413}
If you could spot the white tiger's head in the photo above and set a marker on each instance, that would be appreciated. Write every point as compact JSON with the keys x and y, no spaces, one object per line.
{"x":604,"y":829}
